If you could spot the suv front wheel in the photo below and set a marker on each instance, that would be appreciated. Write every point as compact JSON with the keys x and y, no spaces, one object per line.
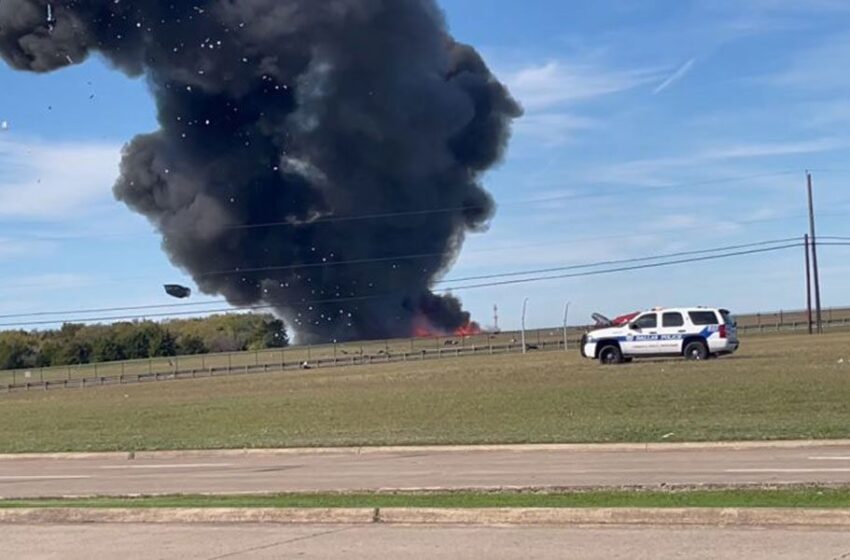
{"x":696,"y":351}
{"x":610,"y":355}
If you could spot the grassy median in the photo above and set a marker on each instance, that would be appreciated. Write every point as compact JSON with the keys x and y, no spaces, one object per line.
{"x":779,"y":498}
{"x":780,"y":387}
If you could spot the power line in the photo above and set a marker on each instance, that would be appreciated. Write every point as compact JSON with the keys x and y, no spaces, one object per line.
{"x":623,"y":261}
{"x":440,"y":282}
{"x":329,"y":264}
{"x":457,"y":288}
{"x":630,"y":268}
{"x":432,"y":211}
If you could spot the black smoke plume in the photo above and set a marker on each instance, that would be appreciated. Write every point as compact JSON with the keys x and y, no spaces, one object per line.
{"x":319,"y":156}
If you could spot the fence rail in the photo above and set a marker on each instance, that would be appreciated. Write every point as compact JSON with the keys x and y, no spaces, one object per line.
{"x":349,"y":354}
{"x":319,"y":363}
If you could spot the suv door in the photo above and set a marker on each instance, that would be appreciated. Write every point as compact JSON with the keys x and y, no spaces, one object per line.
{"x":643,"y":339}
{"x":672,"y":332}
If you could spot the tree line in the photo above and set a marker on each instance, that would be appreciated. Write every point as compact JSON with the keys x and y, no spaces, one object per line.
{"x":74,"y":344}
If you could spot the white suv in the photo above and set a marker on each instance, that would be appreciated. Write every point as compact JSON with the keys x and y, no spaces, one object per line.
{"x":697,"y":333}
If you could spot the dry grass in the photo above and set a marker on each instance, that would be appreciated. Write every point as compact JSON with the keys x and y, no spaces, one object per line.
{"x":776,"y":388}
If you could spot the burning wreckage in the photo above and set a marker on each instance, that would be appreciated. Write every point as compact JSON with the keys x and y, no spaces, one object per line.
{"x":322,"y":158}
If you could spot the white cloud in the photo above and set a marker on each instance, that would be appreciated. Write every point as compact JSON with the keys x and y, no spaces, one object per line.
{"x":680,"y":73}
{"x":553,"y":128}
{"x":16,"y":248}
{"x":818,"y":68}
{"x":557,"y":83}
{"x":551,"y":93}
{"x":655,"y":171}
{"x":43,"y":180}
{"x":37,"y":284}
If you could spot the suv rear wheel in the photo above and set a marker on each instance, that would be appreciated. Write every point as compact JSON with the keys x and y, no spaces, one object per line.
{"x":610,"y":355}
{"x":696,"y":351}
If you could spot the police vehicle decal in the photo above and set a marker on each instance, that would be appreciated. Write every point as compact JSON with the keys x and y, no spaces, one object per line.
{"x":706,"y":333}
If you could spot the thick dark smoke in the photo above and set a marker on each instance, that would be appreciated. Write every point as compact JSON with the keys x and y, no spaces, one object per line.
{"x":298,"y":139}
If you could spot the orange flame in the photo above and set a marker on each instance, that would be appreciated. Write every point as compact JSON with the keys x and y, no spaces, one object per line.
{"x":422,"y":328}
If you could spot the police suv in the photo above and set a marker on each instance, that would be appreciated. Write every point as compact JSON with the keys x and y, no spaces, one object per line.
{"x":696,"y":333}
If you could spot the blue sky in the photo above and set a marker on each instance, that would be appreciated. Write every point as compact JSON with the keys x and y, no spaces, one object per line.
{"x":651,"y":127}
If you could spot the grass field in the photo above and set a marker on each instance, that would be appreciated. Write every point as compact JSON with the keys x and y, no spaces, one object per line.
{"x":745,"y":498}
{"x":780,"y":387}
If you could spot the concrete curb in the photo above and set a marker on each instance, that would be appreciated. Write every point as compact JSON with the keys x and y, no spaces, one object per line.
{"x":730,"y":517}
{"x":57,"y":516}
{"x":570,"y":447}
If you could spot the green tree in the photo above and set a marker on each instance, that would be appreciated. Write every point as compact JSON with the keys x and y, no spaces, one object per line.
{"x":76,"y":352}
{"x":108,"y":349}
{"x":190,"y":344}
{"x":16,"y":351}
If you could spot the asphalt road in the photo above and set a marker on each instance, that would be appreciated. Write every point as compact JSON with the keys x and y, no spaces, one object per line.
{"x":258,"y":542}
{"x":418,"y":469}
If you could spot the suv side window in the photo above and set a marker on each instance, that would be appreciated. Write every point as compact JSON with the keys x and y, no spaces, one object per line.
{"x":648,"y":321}
{"x":702,"y":318}
{"x":673,"y":320}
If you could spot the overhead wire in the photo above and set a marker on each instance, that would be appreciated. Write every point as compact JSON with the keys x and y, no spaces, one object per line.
{"x":445,"y":281}
{"x":331,"y":263}
{"x":425,"y":211}
{"x":762,"y":250}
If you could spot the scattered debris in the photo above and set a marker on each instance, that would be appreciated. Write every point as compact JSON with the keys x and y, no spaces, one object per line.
{"x":177,"y":291}
{"x":668,"y":436}
{"x":51,"y":20}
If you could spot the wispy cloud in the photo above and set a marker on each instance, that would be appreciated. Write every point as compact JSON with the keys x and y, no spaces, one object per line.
{"x":16,"y":248}
{"x":557,"y":94}
{"x":680,"y":73}
{"x":555,"y":83}
{"x":37,"y":284}
{"x":657,"y":171}
{"x":817,"y":68}
{"x":44,"y":180}
{"x":553,"y":128}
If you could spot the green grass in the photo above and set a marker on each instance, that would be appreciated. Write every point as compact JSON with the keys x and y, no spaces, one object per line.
{"x":780,"y":498}
{"x":781,"y":387}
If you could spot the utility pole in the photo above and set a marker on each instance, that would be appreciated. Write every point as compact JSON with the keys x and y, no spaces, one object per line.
{"x":524,"y":310}
{"x":496,"y":319}
{"x":809,"y":285}
{"x":814,"y":243}
{"x":566,"y":317}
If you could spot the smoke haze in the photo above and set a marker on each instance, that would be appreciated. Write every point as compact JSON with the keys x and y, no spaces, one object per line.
{"x":320,"y":156}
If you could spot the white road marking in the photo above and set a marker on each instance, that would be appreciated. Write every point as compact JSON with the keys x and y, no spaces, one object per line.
{"x":195,"y":466}
{"x":786,"y":471}
{"x":829,"y":458}
{"x":46,"y":477}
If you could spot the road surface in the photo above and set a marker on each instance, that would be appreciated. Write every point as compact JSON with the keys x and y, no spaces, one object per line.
{"x":418,"y":469}
{"x":256,"y":542}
